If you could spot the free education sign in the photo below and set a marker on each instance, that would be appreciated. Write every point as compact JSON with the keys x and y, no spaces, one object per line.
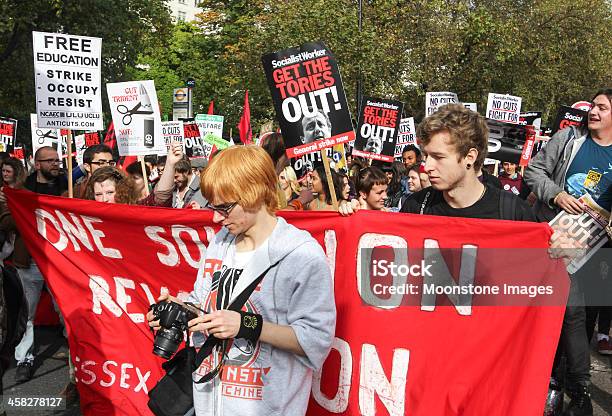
{"x":67,"y":75}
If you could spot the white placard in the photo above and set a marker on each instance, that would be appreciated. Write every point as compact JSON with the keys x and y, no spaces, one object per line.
{"x":80,"y":146}
{"x":67,"y":76}
{"x":405,"y":136}
{"x":471,"y":106}
{"x":44,"y":136}
{"x":433,"y":100}
{"x":172,"y":131}
{"x":136,"y":117}
{"x":505,"y":108}
{"x":208,"y":123}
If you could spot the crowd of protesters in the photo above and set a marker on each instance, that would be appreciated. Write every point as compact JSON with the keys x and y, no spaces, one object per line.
{"x":446,"y":175}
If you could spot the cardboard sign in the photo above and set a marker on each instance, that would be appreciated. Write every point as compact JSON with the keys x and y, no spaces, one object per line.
{"x":42,"y":137}
{"x":568,"y":116}
{"x":308,"y":97}
{"x":405,"y":136}
{"x":377,"y":129}
{"x":471,"y":106}
{"x":506,"y":141}
{"x":208,"y":123}
{"x":433,"y":100}
{"x":8,"y":132}
{"x":67,"y":75}
{"x":218,"y":142}
{"x":531,"y":118}
{"x":505,"y":108}
{"x":136,"y":117}
{"x":80,"y":146}
{"x":19,"y":153}
{"x":195,"y":146}
{"x":172,"y":131}
{"x":92,"y":138}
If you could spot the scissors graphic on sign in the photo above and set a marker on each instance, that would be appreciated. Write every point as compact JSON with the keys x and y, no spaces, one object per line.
{"x":127,"y":118}
{"x":44,"y":135}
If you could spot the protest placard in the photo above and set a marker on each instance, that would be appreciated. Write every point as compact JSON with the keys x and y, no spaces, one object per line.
{"x":503,"y":107}
{"x":19,"y":153}
{"x":8,"y":132}
{"x":377,"y":129}
{"x":216,"y":141}
{"x":405,"y":136}
{"x":208,"y":123}
{"x":587,"y":231}
{"x":92,"y":138}
{"x":309,"y":98}
{"x":531,"y":118}
{"x":568,"y":116}
{"x":195,"y":146}
{"x":433,"y":100}
{"x":80,"y":146}
{"x":506,"y":141}
{"x":45,"y":137}
{"x":136,"y":117}
{"x":471,"y":106}
{"x":172,"y":131}
{"x":67,"y":77}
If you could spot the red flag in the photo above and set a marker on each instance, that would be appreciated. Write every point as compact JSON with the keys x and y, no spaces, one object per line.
{"x":211,"y":108}
{"x":244,"y":127}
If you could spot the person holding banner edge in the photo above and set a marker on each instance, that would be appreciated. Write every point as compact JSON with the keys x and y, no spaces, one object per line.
{"x":575,"y":161}
{"x":293,"y":306}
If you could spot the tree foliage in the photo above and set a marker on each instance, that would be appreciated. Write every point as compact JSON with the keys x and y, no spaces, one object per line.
{"x":550,"y":52}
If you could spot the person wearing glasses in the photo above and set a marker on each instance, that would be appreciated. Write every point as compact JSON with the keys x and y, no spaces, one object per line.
{"x":111,"y":185}
{"x":94,"y":157}
{"x":284,"y":331}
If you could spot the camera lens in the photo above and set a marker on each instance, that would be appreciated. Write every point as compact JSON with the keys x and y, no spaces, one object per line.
{"x":166,"y":342}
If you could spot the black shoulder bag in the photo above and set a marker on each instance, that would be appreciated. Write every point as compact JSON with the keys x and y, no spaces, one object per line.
{"x":173,"y":393}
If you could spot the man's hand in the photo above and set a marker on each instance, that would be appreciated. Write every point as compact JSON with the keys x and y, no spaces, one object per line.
{"x":568,"y":203}
{"x":347,"y":208}
{"x":175,"y":153}
{"x":306,"y":196}
{"x":223,"y":324}
{"x":2,"y":196}
{"x":151,"y":318}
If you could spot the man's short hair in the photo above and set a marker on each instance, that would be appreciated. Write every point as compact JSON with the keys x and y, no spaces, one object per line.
{"x":182,"y":166}
{"x":368,"y":177}
{"x":135,"y":169}
{"x":161,"y":161}
{"x":467,"y":129}
{"x":412,"y":148}
{"x":152,"y":159}
{"x":243,"y":174}
{"x":91,"y":151}
{"x":42,"y":149}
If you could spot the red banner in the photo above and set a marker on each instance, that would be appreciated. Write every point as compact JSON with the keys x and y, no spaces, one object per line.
{"x":394,"y":353}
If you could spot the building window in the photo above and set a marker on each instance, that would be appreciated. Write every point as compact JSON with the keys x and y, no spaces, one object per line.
{"x":182,"y":16}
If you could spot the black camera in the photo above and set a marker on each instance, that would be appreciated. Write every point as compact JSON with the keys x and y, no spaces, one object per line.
{"x":173,"y":319}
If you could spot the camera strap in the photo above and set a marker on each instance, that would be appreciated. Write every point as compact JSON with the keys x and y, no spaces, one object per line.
{"x":211,"y":341}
